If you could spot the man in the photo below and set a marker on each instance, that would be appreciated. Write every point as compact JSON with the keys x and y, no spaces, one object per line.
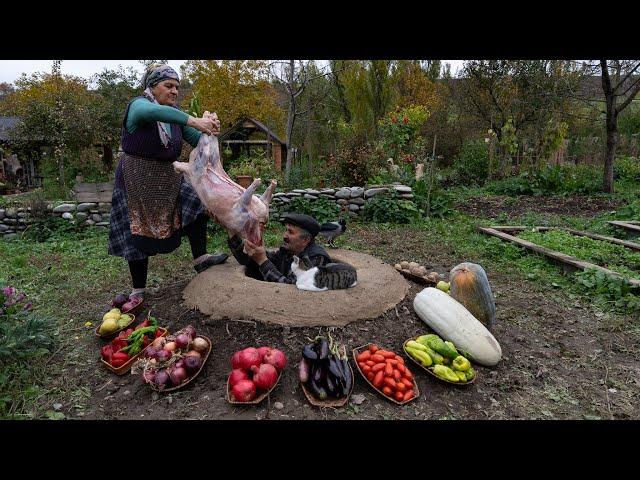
{"x":298,"y":239}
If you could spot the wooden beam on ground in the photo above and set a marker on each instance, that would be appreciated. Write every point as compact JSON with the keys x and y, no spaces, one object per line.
{"x":566,"y":261}
{"x":631,"y":226}
{"x":595,"y":236}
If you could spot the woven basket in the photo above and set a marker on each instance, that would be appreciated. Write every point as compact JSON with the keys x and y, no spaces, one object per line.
{"x":257,"y":399}
{"x":121,"y":370}
{"x":329,"y":402}
{"x":429,"y":369}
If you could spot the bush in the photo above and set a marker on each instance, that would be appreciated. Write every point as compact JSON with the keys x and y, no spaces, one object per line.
{"x":53,"y":228}
{"x":472,"y":164}
{"x":389,"y":208}
{"x":626,"y":169}
{"x":439,"y":204}
{"x":357,"y":161}
{"x":550,"y":180}
{"x":322,"y":209}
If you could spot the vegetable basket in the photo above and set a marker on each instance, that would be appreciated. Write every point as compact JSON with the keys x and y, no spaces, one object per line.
{"x":124,"y":368}
{"x":362,"y":348}
{"x":415,"y":278}
{"x":430,"y":369}
{"x":329,"y":402}
{"x":112,"y":335}
{"x":187,"y":381}
{"x":257,"y":399}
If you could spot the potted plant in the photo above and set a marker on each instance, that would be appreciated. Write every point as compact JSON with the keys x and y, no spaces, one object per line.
{"x":244,"y":174}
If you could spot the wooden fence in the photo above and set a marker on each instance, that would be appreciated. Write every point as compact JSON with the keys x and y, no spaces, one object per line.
{"x":93,"y":192}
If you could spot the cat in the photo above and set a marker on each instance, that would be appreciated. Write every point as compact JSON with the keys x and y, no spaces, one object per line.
{"x":332,"y":276}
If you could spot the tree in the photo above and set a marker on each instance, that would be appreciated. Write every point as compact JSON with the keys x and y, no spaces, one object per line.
{"x":293,"y":77}
{"x":620,"y":87}
{"x":114,"y":89}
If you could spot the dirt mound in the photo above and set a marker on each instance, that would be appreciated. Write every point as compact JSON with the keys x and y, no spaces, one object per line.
{"x":223,"y":291}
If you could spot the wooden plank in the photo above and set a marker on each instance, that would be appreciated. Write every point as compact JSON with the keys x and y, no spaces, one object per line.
{"x":595,"y":236}
{"x":630,"y":225}
{"x":560,"y":257}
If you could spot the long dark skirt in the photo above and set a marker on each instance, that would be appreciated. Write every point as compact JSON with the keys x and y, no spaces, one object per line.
{"x":121,"y":243}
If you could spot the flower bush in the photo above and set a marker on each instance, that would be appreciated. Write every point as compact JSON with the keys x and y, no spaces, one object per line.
{"x":400,"y":131}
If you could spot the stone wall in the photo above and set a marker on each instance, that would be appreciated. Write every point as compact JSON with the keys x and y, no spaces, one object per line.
{"x":353,"y":198}
{"x":14,"y":220}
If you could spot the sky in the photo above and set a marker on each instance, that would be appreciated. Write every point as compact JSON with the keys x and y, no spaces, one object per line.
{"x":11,"y":70}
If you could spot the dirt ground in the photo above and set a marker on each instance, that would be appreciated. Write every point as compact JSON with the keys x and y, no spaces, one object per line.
{"x":561,"y":360}
{"x":517,"y":206}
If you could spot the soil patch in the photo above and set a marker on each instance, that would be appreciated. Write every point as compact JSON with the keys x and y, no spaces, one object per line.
{"x":491,"y":207}
{"x":224,"y":291}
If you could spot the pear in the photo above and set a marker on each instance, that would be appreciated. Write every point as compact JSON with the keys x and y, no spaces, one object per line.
{"x":123,"y":321}
{"x":442,"y":285}
{"x":113,"y":313}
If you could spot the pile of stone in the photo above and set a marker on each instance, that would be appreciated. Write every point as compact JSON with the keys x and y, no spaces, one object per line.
{"x":352,"y":198}
{"x":14,"y":220}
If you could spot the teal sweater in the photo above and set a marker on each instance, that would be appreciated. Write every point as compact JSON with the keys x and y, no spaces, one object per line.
{"x":142,"y":111}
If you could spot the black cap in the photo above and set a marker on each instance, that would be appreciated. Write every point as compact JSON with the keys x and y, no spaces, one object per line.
{"x":303,"y":221}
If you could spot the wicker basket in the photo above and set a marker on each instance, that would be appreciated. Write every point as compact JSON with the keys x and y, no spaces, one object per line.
{"x":329,"y":402}
{"x":416,"y":278}
{"x":188,"y":381}
{"x":121,"y":370}
{"x":429,"y":369}
{"x":356,"y":352}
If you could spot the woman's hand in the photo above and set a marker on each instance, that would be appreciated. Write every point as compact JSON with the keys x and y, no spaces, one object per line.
{"x":209,"y":123}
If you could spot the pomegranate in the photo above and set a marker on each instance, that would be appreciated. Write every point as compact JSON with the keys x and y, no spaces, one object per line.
{"x":263,"y":351}
{"x":244,"y":391}
{"x":236,"y":375}
{"x":276,"y":358}
{"x":249,"y":357}
{"x":265,"y":376}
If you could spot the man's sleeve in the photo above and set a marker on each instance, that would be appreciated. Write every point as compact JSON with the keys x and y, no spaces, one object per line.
{"x":236,"y":245}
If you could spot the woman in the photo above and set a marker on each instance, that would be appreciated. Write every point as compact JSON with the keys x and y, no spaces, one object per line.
{"x":152,"y":205}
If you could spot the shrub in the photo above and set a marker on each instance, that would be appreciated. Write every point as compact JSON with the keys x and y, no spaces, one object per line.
{"x":550,"y":180}
{"x":626,"y":169}
{"x":357,"y":161}
{"x":472,"y":164}
{"x":322,"y":209}
{"x":389,"y":208}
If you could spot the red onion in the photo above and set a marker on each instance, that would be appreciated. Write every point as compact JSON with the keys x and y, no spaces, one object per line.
{"x":263,"y":351}
{"x":149,"y":376}
{"x":192,"y":364}
{"x":265,"y":376}
{"x":182,"y":341}
{"x":179,"y":363}
{"x":244,"y":391}
{"x":200,"y":344}
{"x":171,"y":346}
{"x":249,"y":357}
{"x":276,"y":358}
{"x":163,"y":355}
{"x":150,"y":352}
{"x":190,"y":331}
{"x":118,"y":301}
{"x":162,"y":379}
{"x":236,"y":375}
{"x":178,"y":375}
{"x":158,"y":343}
{"x":193,"y":353}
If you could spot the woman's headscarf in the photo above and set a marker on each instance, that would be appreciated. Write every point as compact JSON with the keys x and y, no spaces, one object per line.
{"x":154,"y":75}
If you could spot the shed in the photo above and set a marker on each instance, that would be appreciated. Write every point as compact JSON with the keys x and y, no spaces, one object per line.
{"x":248,"y":133}
{"x":26,"y":169}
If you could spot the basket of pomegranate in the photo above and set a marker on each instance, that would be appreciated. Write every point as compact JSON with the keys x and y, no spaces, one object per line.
{"x":172,"y":362}
{"x":255,"y":373}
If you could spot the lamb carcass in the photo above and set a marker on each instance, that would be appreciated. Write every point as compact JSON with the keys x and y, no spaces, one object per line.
{"x":234,"y":207}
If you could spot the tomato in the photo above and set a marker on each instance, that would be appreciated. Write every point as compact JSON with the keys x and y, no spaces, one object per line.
{"x":371,"y":363}
{"x":399,"y":359}
{"x":158,"y":333}
{"x":370,"y":376}
{"x":388,"y":370}
{"x":361,"y":365}
{"x":377,"y":367}
{"x":377,"y":358}
{"x":373,"y":348}
{"x":366,"y":369}
{"x":407,"y":395}
{"x":400,"y":387}
{"x":386,"y":354}
{"x":397,"y":375}
{"x":391,"y":361}
{"x":407,"y":374}
{"x":390,"y":382}
{"x":399,"y":396}
{"x":387,"y":391}
{"x":366,"y":355}
{"x":401,"y":368}
{"x":407,"y":383}
{"x":378,"y":379}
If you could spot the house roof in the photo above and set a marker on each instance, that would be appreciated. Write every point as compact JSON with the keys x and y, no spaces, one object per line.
{"x":237,"y":127}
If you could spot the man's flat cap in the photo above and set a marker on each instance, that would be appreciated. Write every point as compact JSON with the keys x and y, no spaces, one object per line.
{"x":303,"y":221}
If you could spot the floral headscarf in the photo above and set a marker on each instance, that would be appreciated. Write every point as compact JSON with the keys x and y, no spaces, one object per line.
{"x":155,"y":75}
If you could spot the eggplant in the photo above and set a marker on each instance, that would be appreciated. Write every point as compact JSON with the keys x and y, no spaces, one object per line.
{"x":348,"y":378}
{"x":332,"y":387}
{"x":318,"y":391}
{"x":323,"y":352}
{"x":334,"y":366}
{"x":308,"y":353}
{"x":304,"y":370}
{"x":317,"y":373}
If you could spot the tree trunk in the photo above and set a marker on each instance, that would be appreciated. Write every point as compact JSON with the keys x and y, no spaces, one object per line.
{"x":612,"y":143}
{"x":107,"y":157}
{"x":291,"y":117}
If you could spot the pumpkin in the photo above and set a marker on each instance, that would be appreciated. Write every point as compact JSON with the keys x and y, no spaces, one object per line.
{"x":453,"y":322}
{"x":470,"y":287}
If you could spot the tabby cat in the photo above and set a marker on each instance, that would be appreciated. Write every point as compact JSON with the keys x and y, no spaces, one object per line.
{"x":332,"y":276}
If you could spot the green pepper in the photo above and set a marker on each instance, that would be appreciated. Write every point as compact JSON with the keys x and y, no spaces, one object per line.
{"x":461,"y":364}
{"x":436,"y":357}
{"x":424,"y":338}
{"x":442,"y":348}
{"x":416,"y":345}
{"x":446,"y":373}
{"x":469,"y":374}
{"x":461,"y":376}
{"x":452,"y":346}
{"x":422,"y":357}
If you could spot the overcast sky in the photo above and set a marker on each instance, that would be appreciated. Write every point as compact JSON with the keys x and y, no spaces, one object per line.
{"x":11,"y":70}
